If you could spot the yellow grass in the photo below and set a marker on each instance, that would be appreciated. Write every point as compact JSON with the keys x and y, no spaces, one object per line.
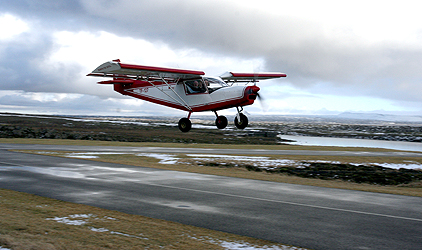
{"x":30,"y":222}
{"x":183,"y":145}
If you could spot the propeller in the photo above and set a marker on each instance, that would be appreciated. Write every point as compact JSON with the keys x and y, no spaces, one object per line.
{"x":264,"y":106}
{"x":254,"y":90}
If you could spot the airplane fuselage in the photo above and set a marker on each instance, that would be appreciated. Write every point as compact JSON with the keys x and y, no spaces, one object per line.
{"x":176,"y":95}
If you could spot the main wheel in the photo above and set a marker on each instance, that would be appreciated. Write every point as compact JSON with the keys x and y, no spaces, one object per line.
{"x":221,"y":122}
{"x":185,"y":124}
{"x":243,"y":123}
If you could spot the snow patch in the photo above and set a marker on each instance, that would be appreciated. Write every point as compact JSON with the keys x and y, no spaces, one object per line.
{"x":67,"y":221}
{"x":257,"y":161}
{"x":81,"y":219}
{"x":247,"y":246}
{"x":164,"y":158}
{"x":90,"y":155}
{"x":99,"y":230}
{"x":243,"y":245}
{"x":73,"y":219}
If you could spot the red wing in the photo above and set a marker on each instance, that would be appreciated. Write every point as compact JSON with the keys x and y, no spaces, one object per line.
{"x":130,"y":71}
{"x":247,"y":77}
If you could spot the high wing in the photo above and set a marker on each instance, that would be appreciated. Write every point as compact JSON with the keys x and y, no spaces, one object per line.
{"x":249,"y":77}
{"x":123,"y":71}
{"x":155,"y":84}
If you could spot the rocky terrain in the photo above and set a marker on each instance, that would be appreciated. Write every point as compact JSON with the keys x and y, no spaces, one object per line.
{"x":146,"y":129}
{"x":262,"y":130}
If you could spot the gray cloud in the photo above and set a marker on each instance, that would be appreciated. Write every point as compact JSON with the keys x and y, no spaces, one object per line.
{"x":295,"y":46}
{"x":27,"y":102}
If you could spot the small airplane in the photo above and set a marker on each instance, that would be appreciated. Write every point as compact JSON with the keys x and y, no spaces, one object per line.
{"x":188,"y":90}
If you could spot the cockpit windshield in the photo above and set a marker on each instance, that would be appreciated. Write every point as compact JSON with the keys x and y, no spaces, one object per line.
{"x":214,"y":83}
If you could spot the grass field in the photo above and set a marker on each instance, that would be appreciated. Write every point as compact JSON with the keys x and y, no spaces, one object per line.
{"x":30,"y":222}
{"x":184,"y":145}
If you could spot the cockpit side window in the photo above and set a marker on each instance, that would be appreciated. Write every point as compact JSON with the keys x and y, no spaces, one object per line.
{"x":195,"y":86}
{"x":214,"y":83}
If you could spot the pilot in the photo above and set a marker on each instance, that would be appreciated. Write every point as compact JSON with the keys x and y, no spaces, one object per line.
{"x":197,"y":87}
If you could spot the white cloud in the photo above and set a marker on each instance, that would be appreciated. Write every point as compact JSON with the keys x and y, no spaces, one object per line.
{"x":92,"y":49}
{"x":363,"y":21}
{"x":50,"y":97}
{"x":11,"y":26}
{"x":89,"y":50}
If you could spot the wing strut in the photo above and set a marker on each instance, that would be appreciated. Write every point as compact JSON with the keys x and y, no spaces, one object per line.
{"x":183,"y":103}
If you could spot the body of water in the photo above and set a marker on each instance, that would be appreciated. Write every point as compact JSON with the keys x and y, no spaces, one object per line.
{"x":346,"y":142}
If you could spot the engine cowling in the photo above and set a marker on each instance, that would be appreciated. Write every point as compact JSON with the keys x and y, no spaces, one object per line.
{"x":251,"y":93}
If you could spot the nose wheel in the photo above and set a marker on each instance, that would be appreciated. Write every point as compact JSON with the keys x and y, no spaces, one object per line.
{"x":241,"y":121}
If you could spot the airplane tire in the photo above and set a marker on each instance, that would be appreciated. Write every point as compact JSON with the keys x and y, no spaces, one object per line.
{"x":243,"y":123}
{"x":221,"y":122}
{"x":185,"y":125}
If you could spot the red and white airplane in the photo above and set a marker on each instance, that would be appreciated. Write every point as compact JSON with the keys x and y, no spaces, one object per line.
{"x":187,"y":90}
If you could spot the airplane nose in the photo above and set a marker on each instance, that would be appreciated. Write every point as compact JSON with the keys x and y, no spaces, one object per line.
{"x":255,"y":89}
{"x":252,"y":92}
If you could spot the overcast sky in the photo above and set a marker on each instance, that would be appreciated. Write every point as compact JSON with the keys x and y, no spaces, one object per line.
{"x":356,"y":56}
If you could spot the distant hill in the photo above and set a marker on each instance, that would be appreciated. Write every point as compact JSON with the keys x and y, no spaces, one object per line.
{"x":380,"y":117}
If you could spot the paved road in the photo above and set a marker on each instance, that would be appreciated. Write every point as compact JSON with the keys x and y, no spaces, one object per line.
{"x":312,"y":217}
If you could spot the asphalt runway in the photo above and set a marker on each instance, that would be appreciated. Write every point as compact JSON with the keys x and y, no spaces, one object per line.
{"x":304,"y":216}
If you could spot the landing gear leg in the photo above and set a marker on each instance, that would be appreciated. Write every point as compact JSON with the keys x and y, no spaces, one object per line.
{"x":220,"y":121}
{"x":185,"y":124}
{"x":241,"y":121}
